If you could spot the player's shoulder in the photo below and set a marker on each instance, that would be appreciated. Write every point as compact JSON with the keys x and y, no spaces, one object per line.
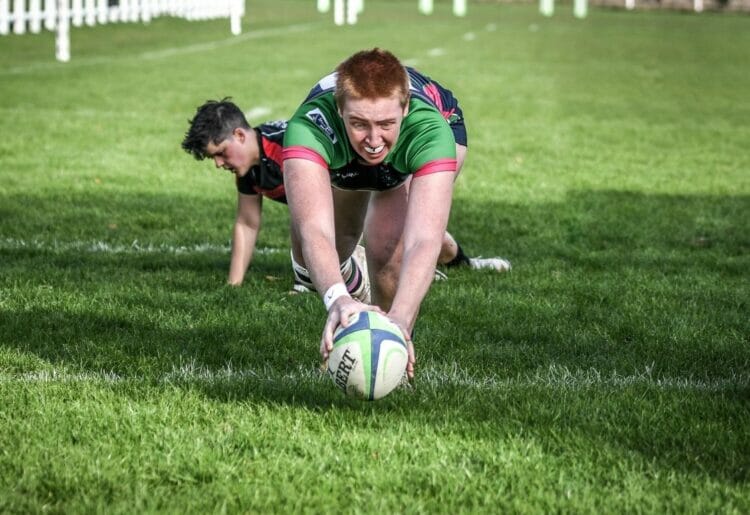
{"x":325,"y":85}
{"x":417,"y":79}
{"x":425,"y":135}
{"x":423,"y":112}
{"x":318,"y":114}
{"x":272,"y":130}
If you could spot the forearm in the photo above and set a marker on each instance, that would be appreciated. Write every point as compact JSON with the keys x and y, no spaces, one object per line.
{"x":417,"y":274}
{"x":426,"y":220}
{"x":321,"y":259}
{"x":308,"y":189}
{"x":243,"y":245}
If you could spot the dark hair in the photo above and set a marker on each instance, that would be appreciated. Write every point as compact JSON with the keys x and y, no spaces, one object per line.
{"x":214,"y":121}
{"x":371,"y":74}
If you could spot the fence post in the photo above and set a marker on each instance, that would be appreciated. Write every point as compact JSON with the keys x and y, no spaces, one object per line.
{"x":89,"y":10}
{"x":4,"y":18}
{"x":352,"y":9}
{"x":425,"y":6}
{"x":35,"y":16}
{"x":19,"y":17}
{"x":547,"y":7}
{"x":50,"y":14}
{"x":77,"y":13}
{"x":124,"y":10}
{"x":101,"y":11}
{"x":62,"y":39}
{"x":459,"y":7}
{"x":338,"y":12}
{"x":580,"y":8}
{"x":146,"y":11}
{"x":235,"y":15}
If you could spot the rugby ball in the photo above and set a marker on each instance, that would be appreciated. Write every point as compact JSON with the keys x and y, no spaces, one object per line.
{"x":369,"y":357}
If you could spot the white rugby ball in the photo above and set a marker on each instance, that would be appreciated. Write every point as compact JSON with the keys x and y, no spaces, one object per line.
{"x":369,"y":357}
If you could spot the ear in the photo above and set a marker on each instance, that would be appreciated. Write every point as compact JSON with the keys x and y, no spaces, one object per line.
{"x":239,"y":134}
{"x":406,"y":106}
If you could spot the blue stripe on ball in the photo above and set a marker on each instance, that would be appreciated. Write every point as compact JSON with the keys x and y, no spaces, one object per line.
{"x":377,"y":336}
{"x":363,"y":322}
{"x":374,"y":357}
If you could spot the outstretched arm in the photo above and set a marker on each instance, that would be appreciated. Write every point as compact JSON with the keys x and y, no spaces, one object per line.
{"x":244,"y":235}
{"x":308,"y":191}
{"x":426,"y":219}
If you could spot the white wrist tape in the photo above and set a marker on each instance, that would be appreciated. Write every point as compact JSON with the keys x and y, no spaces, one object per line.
{"x":333,"y":293}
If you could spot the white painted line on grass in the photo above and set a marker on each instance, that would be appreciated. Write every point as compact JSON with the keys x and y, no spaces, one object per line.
{"x":553,"y":378}
{"x":136,"y":247}
{"x":164,"y":53}
{"x":258,"y":112}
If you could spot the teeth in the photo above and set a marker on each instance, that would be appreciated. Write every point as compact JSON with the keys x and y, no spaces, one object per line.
{"x":371,"y":150}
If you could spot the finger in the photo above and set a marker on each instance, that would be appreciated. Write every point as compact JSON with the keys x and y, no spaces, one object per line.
{"x":345,"y":317}
{"x":349,"y":310}
{"x":412,"y":360}
{"x":326,"y":342}
{"x":372,"y":307}
{"x":406,"y":335}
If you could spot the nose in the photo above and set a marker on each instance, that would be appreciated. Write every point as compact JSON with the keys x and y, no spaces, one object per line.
{"x":374,"y":137}
{"x":219,"y":162}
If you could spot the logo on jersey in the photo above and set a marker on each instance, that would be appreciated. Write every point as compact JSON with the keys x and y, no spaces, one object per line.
{"x":318,"y":118}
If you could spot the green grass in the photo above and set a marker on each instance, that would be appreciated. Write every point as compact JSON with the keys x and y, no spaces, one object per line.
{"x":609,"y":372}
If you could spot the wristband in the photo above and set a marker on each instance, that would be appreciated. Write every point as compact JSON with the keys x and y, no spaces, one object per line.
{"x":333,"y":293}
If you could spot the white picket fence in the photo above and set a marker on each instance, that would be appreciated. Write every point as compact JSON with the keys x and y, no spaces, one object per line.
{"x":347,"y":11}
{"x":22,"y":16}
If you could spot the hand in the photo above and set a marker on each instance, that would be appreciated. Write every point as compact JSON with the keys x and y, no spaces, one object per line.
{"x":409,"y":346}
{"x":340,"y":314}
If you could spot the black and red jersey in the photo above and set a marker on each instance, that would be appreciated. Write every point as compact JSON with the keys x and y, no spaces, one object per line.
{"x":266,"y":177}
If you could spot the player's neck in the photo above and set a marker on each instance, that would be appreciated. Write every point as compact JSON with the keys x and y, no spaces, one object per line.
{"x":253,"y":147}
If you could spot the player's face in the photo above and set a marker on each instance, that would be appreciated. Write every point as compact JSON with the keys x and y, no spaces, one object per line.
{"x":373,"y":126}
{"x":231,"y":154}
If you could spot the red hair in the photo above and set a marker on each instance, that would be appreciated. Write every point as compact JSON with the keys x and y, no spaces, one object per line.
{"x":371,"y":74}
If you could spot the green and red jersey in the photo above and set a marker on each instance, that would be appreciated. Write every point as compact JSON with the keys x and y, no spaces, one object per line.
{"x":426,"y":143}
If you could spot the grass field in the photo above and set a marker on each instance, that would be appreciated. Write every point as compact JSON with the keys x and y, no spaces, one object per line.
{"x":609,"y":372}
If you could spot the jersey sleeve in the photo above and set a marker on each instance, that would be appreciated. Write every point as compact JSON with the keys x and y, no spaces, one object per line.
{"x":431,"y":146}
{"x":309,"y":136}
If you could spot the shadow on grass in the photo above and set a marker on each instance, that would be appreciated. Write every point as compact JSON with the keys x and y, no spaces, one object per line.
{"x":609,"y":281}
{"x":122,"y":219}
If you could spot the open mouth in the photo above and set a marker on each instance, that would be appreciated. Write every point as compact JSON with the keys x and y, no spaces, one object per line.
{"x":374,"y":150}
